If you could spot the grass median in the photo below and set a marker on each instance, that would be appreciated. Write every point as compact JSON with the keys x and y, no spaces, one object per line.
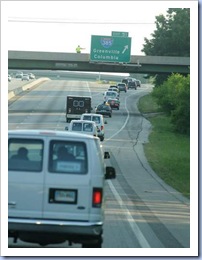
{"x":167,"y":151}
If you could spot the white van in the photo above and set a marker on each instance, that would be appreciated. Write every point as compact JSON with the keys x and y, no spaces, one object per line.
{"x":83,"y":127}
{"x":56,"y":187}
{"x":99,"y":120}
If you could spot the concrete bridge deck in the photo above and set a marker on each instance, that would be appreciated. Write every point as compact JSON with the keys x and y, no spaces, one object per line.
{"x":81,"y":62}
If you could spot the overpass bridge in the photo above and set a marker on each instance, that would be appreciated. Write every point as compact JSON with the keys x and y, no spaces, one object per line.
{"x":28,"y":60}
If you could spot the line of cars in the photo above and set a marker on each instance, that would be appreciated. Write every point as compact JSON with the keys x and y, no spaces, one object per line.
{"x":132,"y":83}
{"x":93,"y":123}
{"x":24,"y":76}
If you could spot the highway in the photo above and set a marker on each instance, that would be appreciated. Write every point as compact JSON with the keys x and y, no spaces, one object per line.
{"x":141,"y":211}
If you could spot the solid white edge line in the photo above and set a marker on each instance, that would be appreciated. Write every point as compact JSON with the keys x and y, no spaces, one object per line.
{"x":140,"y":237}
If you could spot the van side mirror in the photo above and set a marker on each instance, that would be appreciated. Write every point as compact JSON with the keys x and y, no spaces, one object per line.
{"x":106,"y":155}
{"x":110,"y":173}
{"x":66,"y":128}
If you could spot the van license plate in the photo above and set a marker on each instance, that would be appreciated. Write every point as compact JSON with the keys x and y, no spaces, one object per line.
{"x":63,"y":196}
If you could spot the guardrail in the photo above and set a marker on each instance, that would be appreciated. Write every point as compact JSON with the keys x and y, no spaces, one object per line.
{"x":18,"y":90}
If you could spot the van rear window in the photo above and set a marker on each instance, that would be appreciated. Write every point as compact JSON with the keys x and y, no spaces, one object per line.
{"x":68,"y":157}
{"x":87,"y":117}
{"x":77,"y":127}
{"x":25,"y":154}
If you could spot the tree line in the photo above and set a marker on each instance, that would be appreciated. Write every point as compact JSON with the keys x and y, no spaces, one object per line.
{"x":172,"y":91}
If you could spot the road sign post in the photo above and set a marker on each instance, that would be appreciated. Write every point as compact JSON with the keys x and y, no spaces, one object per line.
{"x":110,"y":49}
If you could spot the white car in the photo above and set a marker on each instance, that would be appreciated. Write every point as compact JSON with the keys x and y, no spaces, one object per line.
{"x":31,"y":76}
{"x":25,"y":77}
{"x":99,"y":121}
{"x":110,"y":94}
{"x":114,"y":89}
{"x":19,"y":74}
{"x":56,"y":187}
{"x":83,"y":126}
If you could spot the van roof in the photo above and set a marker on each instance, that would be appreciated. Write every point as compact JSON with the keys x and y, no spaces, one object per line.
{"x":44,"y":132}
{"x":92,"y":114}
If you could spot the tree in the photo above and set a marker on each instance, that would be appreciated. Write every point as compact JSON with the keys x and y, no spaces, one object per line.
{"x":174,"y":98}
{"x":171,"y":37}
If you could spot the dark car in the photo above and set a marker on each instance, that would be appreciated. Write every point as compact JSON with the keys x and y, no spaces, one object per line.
{"x":104,"y":109}
{"x":132,"y":84}
{"x":126,"y":80}
{"x":122,"y":87}
{"x":114,"y":103}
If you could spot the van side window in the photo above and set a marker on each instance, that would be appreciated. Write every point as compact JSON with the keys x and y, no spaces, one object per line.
{"x":25,"y":154}
{"x":67,"y":157}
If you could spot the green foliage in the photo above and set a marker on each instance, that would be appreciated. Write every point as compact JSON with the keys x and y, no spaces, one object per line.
{"x":171,"y":37}
{"x":174,"y":98}
{"x":172,"y":34}
{"x":167,"y":152}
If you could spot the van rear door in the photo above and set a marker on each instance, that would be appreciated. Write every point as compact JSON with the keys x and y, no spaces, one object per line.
{"x":67,"y":182}
{"x":25,"y":177}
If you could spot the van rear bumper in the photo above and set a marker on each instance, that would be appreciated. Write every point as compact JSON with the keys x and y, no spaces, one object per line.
{"x":54,"y":226}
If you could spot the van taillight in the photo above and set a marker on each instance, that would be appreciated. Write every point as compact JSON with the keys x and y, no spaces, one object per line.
{"x":97,"y":197}
{"x":102,"y":127}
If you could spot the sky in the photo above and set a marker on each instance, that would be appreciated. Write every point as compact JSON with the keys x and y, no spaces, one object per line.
{"x":59,"y":26}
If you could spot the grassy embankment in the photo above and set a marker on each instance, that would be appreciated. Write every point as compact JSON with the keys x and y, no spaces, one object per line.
{"x":167,"y":151}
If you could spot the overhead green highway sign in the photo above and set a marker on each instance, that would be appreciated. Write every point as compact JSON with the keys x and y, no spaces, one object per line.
{"x":119,"y":34}
{"x":110,"y":49}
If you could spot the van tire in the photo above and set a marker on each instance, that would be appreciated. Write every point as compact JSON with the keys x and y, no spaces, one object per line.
{"x":101,"y":138}
{"x":94,"y":244}
{"x":98,"y":244}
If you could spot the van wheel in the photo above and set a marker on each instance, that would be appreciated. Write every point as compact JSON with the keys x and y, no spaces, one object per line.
{"x":94,"y":244}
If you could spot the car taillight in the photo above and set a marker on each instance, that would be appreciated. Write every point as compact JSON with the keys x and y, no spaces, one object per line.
{"x":97,"y":197}
{"x":102,"y":127}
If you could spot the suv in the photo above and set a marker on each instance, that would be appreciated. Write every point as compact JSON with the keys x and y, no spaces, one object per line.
{"x":122,"y":87}
{"x":132,"y":84}
{"x":56,"y":187}
{"x":99,"y":120}
{"x":126,"y":80}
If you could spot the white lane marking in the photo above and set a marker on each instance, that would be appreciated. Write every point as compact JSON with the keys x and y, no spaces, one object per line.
{"x":142,"y":240}
{"x":89,"y":90}
{"x":126,"y":121}
{"x":140,"y":237}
